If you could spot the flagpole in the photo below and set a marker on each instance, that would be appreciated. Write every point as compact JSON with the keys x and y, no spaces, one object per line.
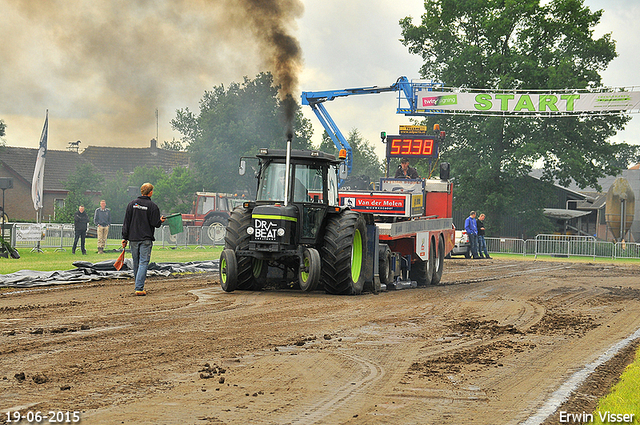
{"x":37,"y":183}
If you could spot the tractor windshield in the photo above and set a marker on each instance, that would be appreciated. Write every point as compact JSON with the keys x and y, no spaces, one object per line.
{"x":306,"y":179}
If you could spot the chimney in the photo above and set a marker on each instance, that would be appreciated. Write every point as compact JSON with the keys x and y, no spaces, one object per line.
{"x":154,"y":144}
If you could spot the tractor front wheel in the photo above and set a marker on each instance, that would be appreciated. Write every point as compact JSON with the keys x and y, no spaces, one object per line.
{"x":310,"y":270}
{"x":228,"y":270}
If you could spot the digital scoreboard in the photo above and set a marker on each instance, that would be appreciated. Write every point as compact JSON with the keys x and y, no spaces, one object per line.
{"x":412,"y":146}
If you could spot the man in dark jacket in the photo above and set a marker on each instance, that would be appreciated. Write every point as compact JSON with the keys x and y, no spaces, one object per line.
{"x":80,"y":221}
{"x":482,"y":244}
{"x":141,"y":219}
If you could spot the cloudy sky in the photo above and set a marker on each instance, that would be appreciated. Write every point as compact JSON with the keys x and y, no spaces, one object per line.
{"x":102,"y":69}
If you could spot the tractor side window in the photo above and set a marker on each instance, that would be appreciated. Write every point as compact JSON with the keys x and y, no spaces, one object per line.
{"x":205,"y":205}
{"x":271,"y":184}
{"x":332,"y":190}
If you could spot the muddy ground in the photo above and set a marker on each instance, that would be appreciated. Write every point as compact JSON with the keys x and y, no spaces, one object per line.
{"x":487,"y":346}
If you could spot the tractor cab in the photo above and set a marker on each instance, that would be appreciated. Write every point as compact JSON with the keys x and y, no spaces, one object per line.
{"x":297,"y":199}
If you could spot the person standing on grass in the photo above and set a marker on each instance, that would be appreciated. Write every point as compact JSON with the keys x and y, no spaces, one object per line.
{"x":102,"y":219}
{"x":141,"y":218}
{"x":80,"y":221}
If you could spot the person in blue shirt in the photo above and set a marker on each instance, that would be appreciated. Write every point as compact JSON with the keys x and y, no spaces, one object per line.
{"x":471,"y":227}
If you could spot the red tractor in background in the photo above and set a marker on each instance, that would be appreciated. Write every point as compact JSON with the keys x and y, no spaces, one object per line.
{"x":212,"y":210}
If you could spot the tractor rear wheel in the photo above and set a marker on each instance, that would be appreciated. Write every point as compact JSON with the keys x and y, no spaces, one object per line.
{"x":422,"y":271}
{"x":309,"y":273}
{"x":215,"y":228}
{"x":385,"y":273}
{"x":343,"y":254}
{"x":438,"y":263}
{"x":250,"y":270}
{"x":228,"y":270}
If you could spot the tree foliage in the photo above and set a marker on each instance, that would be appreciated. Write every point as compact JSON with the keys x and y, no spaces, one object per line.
{"x":83,"y":184}
{"x":509,"y":44}
{"x":3,"y":129}
{"x":232,"y":122}
{"x":365,"y":160}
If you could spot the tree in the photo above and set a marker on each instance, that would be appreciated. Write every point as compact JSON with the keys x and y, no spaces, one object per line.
{"x":3,"y":128}
{"x":172,"y":192}
{"x":234,"y":122}
{"x":115,"y":192}
{"x":175,"y":192}
{"x":82,"y":184}
{"x":173,"y":145}
{"x":365,"y":160}
{"x":508,"y":44}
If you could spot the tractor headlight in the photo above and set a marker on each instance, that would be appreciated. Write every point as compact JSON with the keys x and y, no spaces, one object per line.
{"x":281,"y":232}
{"x":250,"y":230}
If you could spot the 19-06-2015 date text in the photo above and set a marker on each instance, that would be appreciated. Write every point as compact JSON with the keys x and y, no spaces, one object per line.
{"x":51,"y":417}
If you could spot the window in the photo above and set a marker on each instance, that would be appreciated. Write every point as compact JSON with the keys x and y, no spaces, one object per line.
{"x":58,"y":205}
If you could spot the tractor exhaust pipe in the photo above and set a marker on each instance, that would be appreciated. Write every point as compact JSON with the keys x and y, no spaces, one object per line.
{"x":287,"y":170}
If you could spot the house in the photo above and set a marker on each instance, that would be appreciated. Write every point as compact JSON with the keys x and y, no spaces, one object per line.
{"x":19,"y":163}
{"x":110,"y":160}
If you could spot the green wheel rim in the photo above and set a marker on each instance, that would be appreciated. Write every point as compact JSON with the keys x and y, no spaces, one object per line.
{"x":223,"y":269}
{"x":356,"y":256}
{"x":305,"y":275}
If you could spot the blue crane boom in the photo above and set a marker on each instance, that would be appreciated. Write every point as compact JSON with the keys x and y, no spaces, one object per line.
{"x":407,"y":93}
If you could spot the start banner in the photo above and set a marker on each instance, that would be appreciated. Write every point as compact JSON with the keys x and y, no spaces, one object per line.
{"x":530,"y":103}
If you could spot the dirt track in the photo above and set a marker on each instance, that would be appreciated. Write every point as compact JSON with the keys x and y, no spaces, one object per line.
{"x":488,"y":346}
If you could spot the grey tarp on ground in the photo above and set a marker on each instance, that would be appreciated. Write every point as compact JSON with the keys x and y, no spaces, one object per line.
{"x":86,"y":272}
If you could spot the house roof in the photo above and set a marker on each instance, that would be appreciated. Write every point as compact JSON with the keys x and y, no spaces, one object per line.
{"x":110,"y":160}
{"x":632,"y":175}
{"x":58,"y":165}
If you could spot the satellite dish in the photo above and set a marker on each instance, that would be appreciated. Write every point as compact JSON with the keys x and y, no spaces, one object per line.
{"x":620,"y":207}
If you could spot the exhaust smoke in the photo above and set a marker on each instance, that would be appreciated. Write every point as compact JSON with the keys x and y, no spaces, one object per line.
{"x":102,"y":68}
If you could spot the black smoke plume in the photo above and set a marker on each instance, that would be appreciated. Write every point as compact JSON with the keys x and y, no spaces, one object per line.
{"x":272,"y":23}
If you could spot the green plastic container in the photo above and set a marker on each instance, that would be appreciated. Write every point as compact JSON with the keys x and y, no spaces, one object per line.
{"x":175,"y":223}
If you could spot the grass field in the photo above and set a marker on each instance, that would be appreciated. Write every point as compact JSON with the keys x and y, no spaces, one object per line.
{"x":50,"y":259}
{"x":624,"y":398}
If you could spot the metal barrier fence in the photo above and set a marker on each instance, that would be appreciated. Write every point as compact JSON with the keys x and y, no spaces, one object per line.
{"x":60,"y":237}
{"x":563,"y":246}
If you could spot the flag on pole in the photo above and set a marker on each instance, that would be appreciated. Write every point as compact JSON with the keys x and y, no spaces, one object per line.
{"x":38,"y":173}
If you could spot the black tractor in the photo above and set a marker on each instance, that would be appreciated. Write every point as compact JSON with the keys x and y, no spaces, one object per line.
{"x":296,"y":225}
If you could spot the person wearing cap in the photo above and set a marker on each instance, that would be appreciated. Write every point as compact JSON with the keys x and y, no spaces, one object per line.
{"x":141,"y":218}
{"x":405,"y":171}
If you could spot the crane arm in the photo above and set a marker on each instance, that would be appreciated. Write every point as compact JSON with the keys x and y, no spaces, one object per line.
{"x":316,"y":99}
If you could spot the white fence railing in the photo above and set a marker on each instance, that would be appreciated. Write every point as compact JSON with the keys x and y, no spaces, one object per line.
{"x":60,"y":237}
{"x":564,"y":246}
